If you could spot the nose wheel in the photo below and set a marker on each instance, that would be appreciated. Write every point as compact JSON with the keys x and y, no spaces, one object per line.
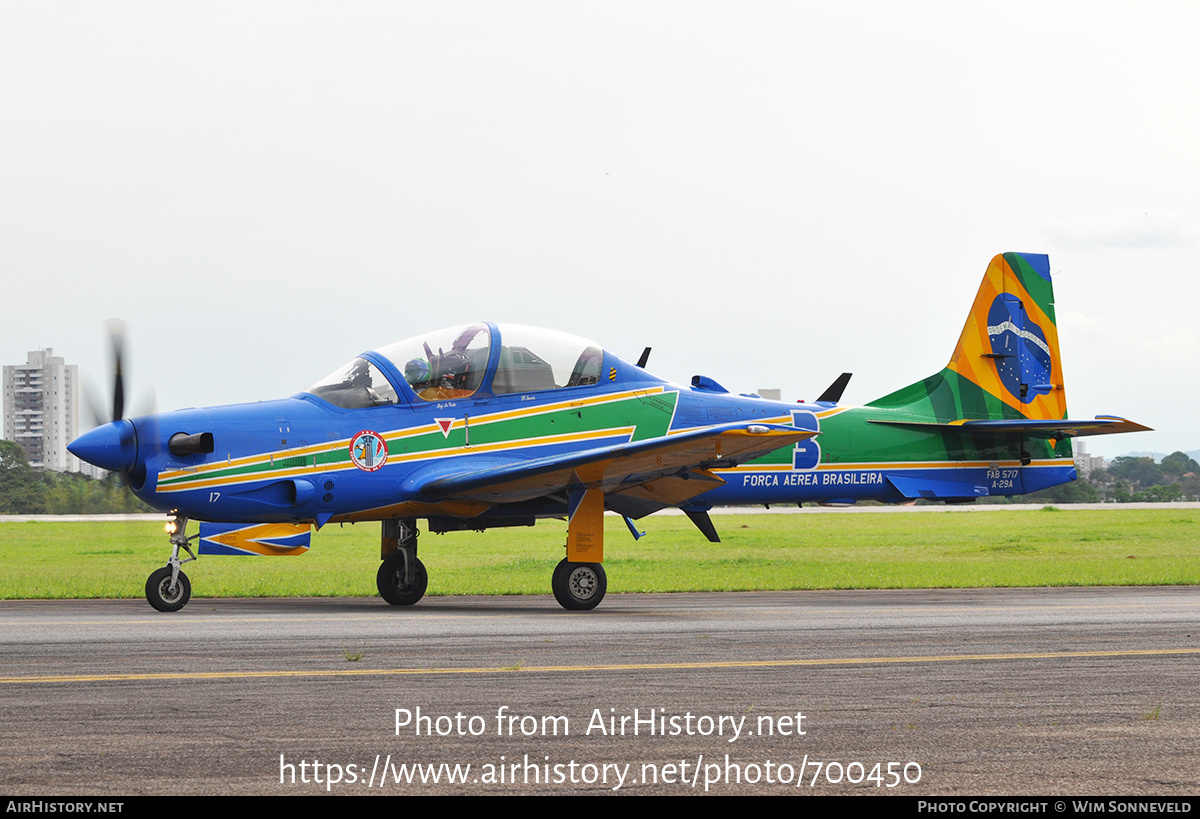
{"x":167,"y":593}
{"x":579,"y":586}
{"x":168,"y":589}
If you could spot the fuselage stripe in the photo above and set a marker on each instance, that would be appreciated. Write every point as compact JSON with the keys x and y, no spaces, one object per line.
{"x":202,"y":476}
{"x":623,"y":434}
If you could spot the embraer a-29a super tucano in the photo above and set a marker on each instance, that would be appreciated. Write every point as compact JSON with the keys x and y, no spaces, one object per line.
{"x":488,"y":425}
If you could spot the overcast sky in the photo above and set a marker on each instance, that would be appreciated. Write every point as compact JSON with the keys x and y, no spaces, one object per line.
{"x":766,"y":193}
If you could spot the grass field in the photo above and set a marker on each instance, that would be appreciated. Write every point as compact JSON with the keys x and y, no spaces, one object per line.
{"x":1051,"y":547}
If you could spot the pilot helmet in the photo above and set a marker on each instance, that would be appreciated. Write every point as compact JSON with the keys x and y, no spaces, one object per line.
{"x":416,"y":371}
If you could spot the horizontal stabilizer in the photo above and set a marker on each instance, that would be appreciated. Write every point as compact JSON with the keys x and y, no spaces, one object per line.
{"x":1028,"y":427}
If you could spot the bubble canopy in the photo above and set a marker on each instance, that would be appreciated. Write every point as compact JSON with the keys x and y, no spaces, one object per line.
{"x":460,"y":362}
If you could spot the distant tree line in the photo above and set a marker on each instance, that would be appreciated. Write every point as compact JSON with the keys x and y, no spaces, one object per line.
{"x":28,"y":491}
{"x":1129,"y":479}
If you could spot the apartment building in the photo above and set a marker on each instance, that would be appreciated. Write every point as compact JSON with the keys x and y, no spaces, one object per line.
{"x":41,"y":409}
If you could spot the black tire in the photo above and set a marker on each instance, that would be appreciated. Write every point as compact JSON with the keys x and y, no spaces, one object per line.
{"x":579,"y":586}
{"x":390,"y":580}
{"x":159,"y":594}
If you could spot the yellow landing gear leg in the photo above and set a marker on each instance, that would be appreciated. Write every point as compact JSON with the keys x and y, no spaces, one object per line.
{"x":579,"y":581}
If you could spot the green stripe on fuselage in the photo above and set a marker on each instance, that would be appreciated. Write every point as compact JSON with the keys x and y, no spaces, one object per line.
{"x":649,"y":414}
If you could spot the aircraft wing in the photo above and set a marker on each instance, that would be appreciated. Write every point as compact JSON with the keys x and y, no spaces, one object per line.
{"x":670,"y":469}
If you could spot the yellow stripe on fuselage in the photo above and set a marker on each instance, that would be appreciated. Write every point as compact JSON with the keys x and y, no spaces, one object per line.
{"x":409,"y":457}
{"x":392,"y":436}
{"x":892,"y":465}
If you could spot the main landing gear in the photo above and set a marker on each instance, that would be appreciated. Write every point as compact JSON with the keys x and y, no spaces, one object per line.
{"x":579,"y":586}
{"x":168,"y":589}
{"x":402,"y":578}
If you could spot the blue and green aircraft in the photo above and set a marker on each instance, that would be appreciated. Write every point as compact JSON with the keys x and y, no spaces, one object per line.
{"x":487,"y":425}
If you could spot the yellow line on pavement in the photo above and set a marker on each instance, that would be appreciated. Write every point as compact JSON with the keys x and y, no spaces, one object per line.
{"x":382,"y":672}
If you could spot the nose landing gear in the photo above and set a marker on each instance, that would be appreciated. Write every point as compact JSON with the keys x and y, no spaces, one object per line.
{"x":168,"y":589}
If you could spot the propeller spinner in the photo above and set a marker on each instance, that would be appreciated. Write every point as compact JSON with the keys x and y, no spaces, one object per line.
{"x":112,"y":445}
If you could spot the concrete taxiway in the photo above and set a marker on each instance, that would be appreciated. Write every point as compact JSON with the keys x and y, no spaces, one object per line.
{"x":999,"y":691}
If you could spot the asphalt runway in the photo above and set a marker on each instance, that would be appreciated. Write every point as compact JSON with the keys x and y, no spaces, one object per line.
{"x":997,"y":691}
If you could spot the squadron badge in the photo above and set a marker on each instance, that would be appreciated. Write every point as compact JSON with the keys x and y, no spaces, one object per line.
{"x":368,"y":450}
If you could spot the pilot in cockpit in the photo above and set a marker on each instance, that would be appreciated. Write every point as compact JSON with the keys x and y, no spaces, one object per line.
{"x":444,"y":381}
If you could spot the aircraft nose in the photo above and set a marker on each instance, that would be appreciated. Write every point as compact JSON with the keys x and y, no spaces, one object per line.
{"x":111,"y":446}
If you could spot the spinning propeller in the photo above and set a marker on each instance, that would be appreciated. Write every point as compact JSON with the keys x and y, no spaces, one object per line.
{"x":112,"y":445}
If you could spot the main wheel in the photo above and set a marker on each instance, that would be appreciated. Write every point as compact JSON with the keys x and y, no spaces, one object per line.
{"x":579,"y":586}
{"x":390,"y":580}
{"x":159,"y":594}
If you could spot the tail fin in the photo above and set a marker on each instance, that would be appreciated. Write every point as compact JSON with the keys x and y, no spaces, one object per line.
{"x":1005,"y":376}
{"x":1006,"y":363}
{"x":1009,"y":345}
{"x":1000,"y":401}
